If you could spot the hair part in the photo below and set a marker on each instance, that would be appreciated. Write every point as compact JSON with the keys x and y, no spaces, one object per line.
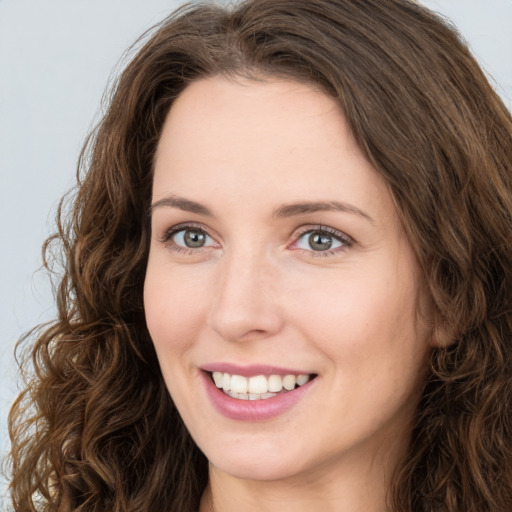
{"x":96,"y":429}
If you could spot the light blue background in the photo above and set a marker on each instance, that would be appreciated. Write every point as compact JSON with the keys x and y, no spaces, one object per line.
{"x":56,"y":57}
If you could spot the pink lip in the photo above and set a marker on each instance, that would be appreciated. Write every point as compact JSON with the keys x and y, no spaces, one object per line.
{"x":250,"y":370}
{"x":253,"y":410}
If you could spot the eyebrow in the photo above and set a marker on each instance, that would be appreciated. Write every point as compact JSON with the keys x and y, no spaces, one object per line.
{"x":319,"y":206}
{"x":181,"y":203}
{"x":288,"y":210}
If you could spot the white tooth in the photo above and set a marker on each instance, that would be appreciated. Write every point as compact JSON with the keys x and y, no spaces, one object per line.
{"x":254,"y":396}
{"x":231,"y":394}
{"x":258,"y":384}
{"x":275,"y":383}
{"x":267,"y":395}
{"x":302,"y":379}
{"x":239,"y":384}
{"x":226,"y":381}
{"x":289,"y":382}
{"x":243,"y":396}
{"x":217,"y":378}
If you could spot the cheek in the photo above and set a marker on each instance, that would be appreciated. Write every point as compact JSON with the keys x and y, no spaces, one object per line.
{"x":376,"y":349}
{"x":174,"y":308}
{"x":173,"y":317}
{"x":363,"y":319}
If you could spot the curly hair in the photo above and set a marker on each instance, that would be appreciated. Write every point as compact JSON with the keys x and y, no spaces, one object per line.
{"x":96,"y":430}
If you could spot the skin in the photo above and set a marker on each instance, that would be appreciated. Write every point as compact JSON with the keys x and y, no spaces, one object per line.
{"x":257,"y":293}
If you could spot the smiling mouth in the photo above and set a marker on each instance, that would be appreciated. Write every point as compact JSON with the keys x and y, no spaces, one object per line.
{"x":258,"y":387}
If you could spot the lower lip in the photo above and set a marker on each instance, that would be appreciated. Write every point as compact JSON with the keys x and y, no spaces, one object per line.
{"x":253,"y":410}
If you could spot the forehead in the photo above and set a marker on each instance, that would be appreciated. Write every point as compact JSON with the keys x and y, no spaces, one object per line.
{"x":263,"y":142}
{"x":245,"y":113}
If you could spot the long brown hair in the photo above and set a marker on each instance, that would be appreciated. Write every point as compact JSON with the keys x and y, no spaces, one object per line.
{"x":96,"y":430}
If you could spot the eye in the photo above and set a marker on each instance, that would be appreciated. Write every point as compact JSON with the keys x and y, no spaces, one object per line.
{"x":191,"y":238}
{"x":187,"y":238}
{"x":322,"y":240}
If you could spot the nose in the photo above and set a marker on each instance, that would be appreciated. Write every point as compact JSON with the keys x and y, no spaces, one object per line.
{"x":246,"y":303}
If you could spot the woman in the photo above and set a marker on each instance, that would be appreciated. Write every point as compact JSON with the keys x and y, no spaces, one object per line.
{"x":287,"y":278}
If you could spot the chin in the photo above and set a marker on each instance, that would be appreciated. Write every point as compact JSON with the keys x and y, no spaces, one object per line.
{"x":257,"y":463}
{"x":249,"y":470}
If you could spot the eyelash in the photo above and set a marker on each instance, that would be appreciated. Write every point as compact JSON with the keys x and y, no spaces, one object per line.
{"x":345,"y":240}
{"x":170,"y":233}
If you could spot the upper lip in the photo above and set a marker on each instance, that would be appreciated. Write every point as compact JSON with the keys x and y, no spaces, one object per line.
{"x":251,"y":370}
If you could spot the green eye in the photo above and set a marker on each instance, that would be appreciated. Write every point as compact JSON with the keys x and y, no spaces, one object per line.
{"x":322,"y":240}
{"x":192,"y":238}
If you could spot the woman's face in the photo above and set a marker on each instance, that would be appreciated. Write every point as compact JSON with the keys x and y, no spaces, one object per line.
{"x":276,"y":257}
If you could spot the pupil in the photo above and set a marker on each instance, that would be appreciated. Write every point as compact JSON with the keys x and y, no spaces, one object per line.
{"x":194,"y":239}
{"x":320,"y":242}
